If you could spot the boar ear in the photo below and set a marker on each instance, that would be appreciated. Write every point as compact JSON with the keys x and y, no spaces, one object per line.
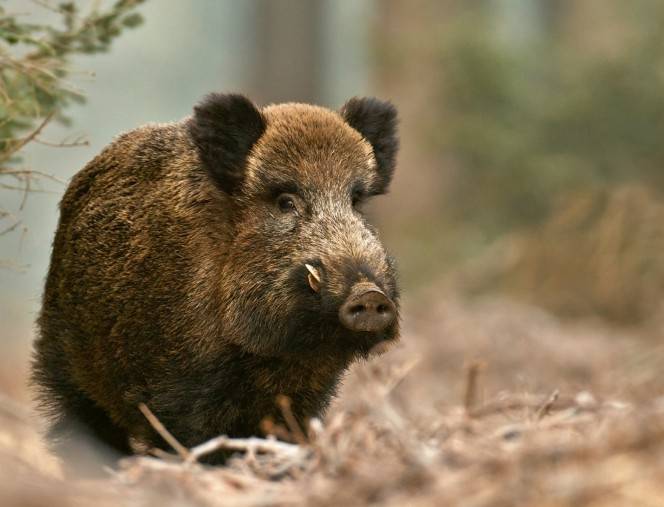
{"x":376,"y":120}
{"x":224,"y":128}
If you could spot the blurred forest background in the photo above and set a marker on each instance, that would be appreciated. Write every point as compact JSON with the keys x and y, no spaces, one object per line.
{"x":532,"y":131}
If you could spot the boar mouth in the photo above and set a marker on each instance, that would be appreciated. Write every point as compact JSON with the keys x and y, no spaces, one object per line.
{"x":322,"y":321}
{"x":366,"y":308}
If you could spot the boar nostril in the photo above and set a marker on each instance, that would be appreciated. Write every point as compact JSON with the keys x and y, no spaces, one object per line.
{"x":367,"y":309}
{"x":357,"y":309}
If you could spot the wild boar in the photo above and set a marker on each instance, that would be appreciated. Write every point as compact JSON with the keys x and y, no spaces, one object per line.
{"x":207,"y":266}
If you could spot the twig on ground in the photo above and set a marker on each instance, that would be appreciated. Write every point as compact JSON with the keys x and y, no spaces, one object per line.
{"x":249,"y":445}
{"x":284,"y":403}
{"x":519,"y":403}
{"x":163,"y":432}
{"x":473,"y":371}
{"x":544,"y":410}
{"x":400,"y":375}
{"x":269,"y":427}
{"x":163,"y":455}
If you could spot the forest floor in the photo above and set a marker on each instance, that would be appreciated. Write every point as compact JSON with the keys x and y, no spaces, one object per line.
{"x":484,"y":403}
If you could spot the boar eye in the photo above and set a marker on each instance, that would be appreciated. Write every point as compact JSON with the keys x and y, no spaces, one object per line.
{"x":286,"y":203}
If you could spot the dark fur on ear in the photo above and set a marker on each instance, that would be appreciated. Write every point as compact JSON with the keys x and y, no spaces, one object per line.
{"x":224,"y":128}
{"x":377,"y":121}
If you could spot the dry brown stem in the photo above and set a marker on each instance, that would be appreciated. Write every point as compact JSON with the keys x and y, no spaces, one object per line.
{"x":22,"y":142}
{"x":284,"y":403}
{"x":596,"y":440}
{"x":473,"y":371}
{"x":544,"y":410}
{"x":182,"y":451}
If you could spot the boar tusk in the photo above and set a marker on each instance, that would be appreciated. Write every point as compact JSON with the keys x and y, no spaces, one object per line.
{"x":313,"y":283}
{"x":313,"y":271}
{"x":313,"y":277}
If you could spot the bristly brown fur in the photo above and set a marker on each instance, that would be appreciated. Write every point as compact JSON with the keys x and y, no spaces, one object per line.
{"x":177,"y":281}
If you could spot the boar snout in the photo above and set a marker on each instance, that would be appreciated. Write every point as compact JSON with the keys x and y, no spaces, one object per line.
{"x":368,"y":309}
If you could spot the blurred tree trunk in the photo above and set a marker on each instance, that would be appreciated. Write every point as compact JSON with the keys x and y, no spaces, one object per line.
{"x":610,"y":33}
{"x":407,"y":37}
{"x":288,"y":47}
{"x":553,"y":13}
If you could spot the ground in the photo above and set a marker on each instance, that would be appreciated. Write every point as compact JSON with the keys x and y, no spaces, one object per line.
{"x":483,"y":403}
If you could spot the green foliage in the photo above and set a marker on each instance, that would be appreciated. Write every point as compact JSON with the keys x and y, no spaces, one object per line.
{"x":34,"y":68}
{"x":34,"y":65}
{"x":529,"y":123}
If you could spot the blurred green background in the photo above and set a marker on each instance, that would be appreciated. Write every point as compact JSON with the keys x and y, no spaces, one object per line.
{"x":532,"y":133}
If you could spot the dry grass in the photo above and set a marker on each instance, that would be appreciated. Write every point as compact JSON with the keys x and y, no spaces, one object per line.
{"x":598,"y":254}
{"x":483,"y":404}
